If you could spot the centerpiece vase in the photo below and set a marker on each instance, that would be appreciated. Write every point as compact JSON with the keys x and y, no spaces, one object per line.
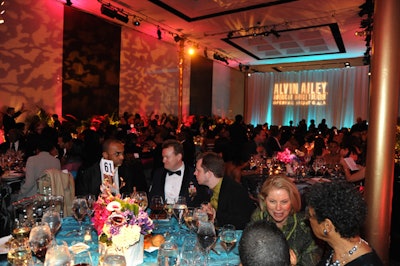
{"x":134,"y":254}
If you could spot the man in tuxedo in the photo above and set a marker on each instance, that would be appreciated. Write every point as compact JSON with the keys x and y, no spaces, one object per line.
{"x":125,"y":178}
{"x":176,"y":178}
{"x":229,"y":201}
{"x":273,"y":145}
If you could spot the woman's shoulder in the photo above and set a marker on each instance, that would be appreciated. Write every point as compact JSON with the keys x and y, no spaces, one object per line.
{"x":370,"y":259}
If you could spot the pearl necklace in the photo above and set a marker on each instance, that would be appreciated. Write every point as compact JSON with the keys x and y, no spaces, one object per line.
{"x":342,"y":257}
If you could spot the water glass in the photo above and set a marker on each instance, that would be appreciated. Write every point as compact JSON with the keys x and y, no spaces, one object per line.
{"x":58,"y":255}
{"x":191,"y":253}
{"x":168,"y":254}
{"x":83,"y":258}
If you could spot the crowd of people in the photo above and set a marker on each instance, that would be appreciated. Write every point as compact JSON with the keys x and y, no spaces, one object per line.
{"x":159,"y":156}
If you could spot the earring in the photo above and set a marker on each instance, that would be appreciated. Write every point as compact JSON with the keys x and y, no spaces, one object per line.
{"x":325,"y":232}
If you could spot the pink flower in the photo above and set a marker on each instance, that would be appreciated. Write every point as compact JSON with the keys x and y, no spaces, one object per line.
{"x":114,"y":206}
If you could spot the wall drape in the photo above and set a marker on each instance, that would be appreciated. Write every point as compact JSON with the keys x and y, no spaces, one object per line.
{"x":346,"y":97}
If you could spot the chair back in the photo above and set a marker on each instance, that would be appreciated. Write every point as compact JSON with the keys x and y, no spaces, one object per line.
{"x":61,"y":184}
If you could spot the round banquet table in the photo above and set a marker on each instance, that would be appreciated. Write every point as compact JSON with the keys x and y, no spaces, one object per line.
{"x":68,"y":234}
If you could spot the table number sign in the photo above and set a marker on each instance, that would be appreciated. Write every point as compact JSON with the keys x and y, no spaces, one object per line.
{"x":107,"y":167}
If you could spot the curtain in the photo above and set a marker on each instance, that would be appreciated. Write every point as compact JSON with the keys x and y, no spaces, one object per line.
{"x":337,"y":95}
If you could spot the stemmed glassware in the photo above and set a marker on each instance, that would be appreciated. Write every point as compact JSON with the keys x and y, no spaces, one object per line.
{"x":228,"y":237}
{"x":206,"y":237}
{"x":39,"y":239}
{"x":169,"y":208}
{"x":79,"y":210}
{"x":140,"y":197}
{"x":156,"y":206}
{"x":83,"y":258}
{"x":53,"y":218}
{"x":188,"y":217}
{"x":58,"y":254}
{"x":91,"y":199}
{"x":179,"y":209}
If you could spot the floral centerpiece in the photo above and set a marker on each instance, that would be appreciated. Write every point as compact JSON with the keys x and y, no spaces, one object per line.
{"x":120,"y":223}
{"x":286,"y":156}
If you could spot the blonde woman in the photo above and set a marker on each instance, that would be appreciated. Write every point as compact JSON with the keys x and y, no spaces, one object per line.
{"x":280,"y":203}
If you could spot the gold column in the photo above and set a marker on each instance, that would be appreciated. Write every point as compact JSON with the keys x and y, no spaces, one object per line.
{"x":384,"y":96}
{"x":180,"y":88}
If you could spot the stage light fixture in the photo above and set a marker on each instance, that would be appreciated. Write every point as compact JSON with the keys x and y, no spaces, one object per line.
{"x":230,"y":34}
{"x":347,"y":64}
{"x":159,"y":36}
{"x":122,"y":17}
{"x":177,"y":38}
{"x":275,"y":33}
{"x":68,"y":3}
{"x":136,"y":22}
{"x":108,"y":10}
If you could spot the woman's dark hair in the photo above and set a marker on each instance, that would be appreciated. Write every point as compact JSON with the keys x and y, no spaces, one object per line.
{"x":339,"y":202}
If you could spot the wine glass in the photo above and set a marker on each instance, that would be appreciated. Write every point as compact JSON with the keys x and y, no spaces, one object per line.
{"x":228,"y":237}
{"x":83,"y":258}
{"x":169,"y":207}
{"x":39,"y":239}
{"x":113,"y":258}
{"x":188,"y":217}
{"x":58,"y":255}
{"x":168,"y":254}
{"x":179,"y":209}
{"x":53,"y":218}
{"x":206,"y":237}
{"x":91,"y":199}
{"x":140,"y":197}
{"x":190,"y":252}
{"x":156,"y":206}
{"x":79,"y":210}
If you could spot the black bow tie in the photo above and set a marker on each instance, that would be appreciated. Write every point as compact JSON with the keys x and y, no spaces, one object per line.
{"x":176,"y":172}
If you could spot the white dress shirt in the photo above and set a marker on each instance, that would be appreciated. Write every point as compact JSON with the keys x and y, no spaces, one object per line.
{"x":173,"y":185}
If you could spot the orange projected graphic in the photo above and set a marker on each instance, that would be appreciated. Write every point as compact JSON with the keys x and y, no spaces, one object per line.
{"x":305,"y":93}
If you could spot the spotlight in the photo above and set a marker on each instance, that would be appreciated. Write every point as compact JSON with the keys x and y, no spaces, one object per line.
{"x":122,"y":17}
{"x":68,"y":3}
{"x":230,"y":34}
{"x":347,"y":64}
{"x":108,"y":10}
{"x":177,"y":38}
{"x":159,"y":33}
{"x":136,"y":22}
{"x":275,"y":33}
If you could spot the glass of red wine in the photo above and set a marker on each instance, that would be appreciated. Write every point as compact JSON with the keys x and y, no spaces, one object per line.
{"x":39,"y":239}
{"x":206,"y":237}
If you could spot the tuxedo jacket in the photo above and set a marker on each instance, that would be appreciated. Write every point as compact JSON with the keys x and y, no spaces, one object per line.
{"x":272,"y":146}
{"x":234,"y":204}
{"x":158,"y":184}
{"x":88,"y":180}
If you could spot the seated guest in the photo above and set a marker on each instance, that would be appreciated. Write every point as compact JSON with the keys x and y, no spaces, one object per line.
{"x":230,"y":201}
{"x":273,"y":141}
{"x":352,"y":175}
{"x":176,"y":177}
{"x":280,"y":203}
{"x":88,"y":180}
{"x":36,"y":165}
{"x":263,"y":244}
{"x":336,"y":213}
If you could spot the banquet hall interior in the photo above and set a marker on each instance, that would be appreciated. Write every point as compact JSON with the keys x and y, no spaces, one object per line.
{"x":271,"y":61}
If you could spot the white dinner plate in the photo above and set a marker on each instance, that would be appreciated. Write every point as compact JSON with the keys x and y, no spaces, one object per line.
{"x":3,"y":247}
